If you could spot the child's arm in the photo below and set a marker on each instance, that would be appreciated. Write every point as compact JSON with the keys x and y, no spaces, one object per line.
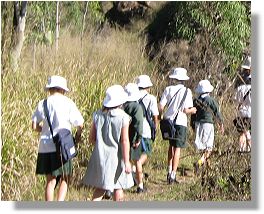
{"x":92,"y":135}
{"x":36,"y":126}
{"x":125,"y":148}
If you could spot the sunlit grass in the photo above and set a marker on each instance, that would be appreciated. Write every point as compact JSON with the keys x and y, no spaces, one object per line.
{"x":112,"y":57}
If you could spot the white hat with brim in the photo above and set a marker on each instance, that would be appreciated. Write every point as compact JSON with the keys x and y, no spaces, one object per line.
{"x":179,"y":74}
{"x":133,"y":92}
{"x":115,"y":96}
{"x":143,"y":81}
{"x":204,"y":86}
{"x":247,"y":63}
{"x":57,"y":82}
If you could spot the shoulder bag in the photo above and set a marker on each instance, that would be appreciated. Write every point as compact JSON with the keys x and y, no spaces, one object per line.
{"x":64,"y":141}
{"x":167,"y":126}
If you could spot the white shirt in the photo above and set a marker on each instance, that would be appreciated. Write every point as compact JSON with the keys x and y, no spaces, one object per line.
{"x":245,"y":105}
{"x":63,"y":114}
{"x":151,"y":101}
{"x":171,"y":112}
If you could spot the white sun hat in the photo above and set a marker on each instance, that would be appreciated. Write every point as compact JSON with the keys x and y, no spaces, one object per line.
{"x":179,"y":74}
{"x":133,"y":92}
{"x":115,"y":96}
{"x":143,"y":81}
{"x":204,"y":86}
{"x":57,"y":82}
{"x":247,"y":63}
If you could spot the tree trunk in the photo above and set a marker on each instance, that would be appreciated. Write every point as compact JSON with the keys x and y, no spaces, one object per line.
{"x":57,"y":28}
{"x":19,"y":23}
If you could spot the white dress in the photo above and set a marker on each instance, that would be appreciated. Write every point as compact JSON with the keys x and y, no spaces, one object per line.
{"x":105,"y":169}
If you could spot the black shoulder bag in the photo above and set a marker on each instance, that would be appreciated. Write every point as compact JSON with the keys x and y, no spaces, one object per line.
{"x":167,"y":126}
{"x":64,"y":141}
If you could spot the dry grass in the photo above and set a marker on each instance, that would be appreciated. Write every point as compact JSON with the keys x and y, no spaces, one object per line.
{"x":111,"y":57}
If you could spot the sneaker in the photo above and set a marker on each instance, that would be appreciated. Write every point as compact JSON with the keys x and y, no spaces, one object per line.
{"x":139,"y":190}
{"x":168,"y":177}
{"x":107,"y":195}
{"x":171,"y":181}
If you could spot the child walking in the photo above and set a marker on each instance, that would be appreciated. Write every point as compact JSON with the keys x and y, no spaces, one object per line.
{"x":63,"y":113}
{"x":179,"y":100}
{"x":150,"y":123}
{"x":109,"y":167}
{"x":207,"y":109}
{"x":137,"y":143}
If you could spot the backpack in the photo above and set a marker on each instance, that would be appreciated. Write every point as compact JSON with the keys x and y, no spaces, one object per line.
{"x":147,"y":115}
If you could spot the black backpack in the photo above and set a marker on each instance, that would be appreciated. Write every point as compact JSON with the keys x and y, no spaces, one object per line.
{"x":147,"y":115}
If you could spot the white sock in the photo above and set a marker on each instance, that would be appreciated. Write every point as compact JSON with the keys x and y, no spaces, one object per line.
{"x":134,"y":168}
{"x":173,"y":175}
{"x":169,"y":169}
{"x":140,"y":185}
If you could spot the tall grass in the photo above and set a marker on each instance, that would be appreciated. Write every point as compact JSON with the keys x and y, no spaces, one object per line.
{"x":90,"y":66}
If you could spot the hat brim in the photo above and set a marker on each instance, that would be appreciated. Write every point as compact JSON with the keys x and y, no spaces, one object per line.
{"x":133,"y":98}
{"x":145,"y":86}
{"x":110,"y":104}
{"x":246,"y":67}
{"x":56,"y":86}
{"x":179,"y":77}
{"x":208,"y":90}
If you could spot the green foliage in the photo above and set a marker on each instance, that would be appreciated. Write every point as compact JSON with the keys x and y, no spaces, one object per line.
{"x":41,"y":21}
{"x":225,"y":26}
{"x":96,"y":14}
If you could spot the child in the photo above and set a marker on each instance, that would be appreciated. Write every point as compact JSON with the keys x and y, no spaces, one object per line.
{"x":180,"y":103}
{"x":109,"y":167}
{"x":63,"y":113}
{"x":149,"y":127}
{"x":243,"y":121}
{"x":207,"y":108}
{"x":138,"y":146}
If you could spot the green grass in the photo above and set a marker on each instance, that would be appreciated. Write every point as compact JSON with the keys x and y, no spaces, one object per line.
{"x":112,"y":57}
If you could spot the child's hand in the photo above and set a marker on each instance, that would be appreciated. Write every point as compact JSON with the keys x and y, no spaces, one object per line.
{"x":128,"y":168}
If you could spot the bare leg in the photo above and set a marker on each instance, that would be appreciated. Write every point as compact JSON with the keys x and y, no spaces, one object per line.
{"x":176,"y":159}
{"x":98,"y":194}
{"x":118,"y":195}
{"x":49,"y":191}
{"x":139,"y":168}
{"x":63,"y":188}
{"x":242,"y":142}
{"x":170,"y":155}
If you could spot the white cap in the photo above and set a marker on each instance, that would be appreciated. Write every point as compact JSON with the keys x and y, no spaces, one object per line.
{"x":133,"y":92}
{"x":179,"y":74}
{"x":247,"y":63}
{"x":204,"y":86}
{"x":143,"y":81}
{"x":115,"y":96}
{"x":57,"y":82}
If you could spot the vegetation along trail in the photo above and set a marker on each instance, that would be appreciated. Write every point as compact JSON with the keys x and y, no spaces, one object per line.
{"x":97,"y":44}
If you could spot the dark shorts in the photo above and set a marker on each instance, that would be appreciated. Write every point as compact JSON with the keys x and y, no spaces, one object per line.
{"x":181,"y":137}
{"x":145,"y":147}
{"x":48,"y":163}
{"x":242,"y":124}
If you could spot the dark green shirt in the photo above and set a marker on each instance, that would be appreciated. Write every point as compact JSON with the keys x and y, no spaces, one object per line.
{"x":207,"y":108}
{"x":135,"y":111}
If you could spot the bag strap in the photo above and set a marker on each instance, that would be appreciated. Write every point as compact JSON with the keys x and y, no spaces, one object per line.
{"x":181,"y":103}
{"x":145,"y":109}
{"x":173,"y":97}
{"x":46,"y":112}
{"x":245,"y":96}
